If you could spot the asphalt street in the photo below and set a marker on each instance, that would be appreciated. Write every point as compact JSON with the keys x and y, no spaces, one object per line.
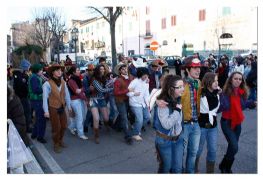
{"x":113,"y":155}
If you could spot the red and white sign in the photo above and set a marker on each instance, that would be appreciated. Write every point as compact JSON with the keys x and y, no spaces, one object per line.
{"x":154,"y":45}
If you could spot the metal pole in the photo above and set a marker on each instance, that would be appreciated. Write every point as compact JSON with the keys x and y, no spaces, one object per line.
{"x":139,"y":34}
{"x":76,"y":52}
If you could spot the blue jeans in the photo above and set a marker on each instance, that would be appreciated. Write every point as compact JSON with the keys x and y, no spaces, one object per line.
{"x":123,"y":117}
{"x":79,"y":108}
{"x":40,"y":124}
{"x":113,"y":109}
{"x":191,"y":135}
{"x":210,"y":136}
{"x":170,"y":155}
{"x":232,"y":137}
{"x":142,"y":115}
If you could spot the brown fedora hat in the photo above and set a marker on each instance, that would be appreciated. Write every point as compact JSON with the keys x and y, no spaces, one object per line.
{"x":54,"y":67}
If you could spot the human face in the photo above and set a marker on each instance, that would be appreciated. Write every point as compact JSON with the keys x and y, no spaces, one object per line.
{"x":124,"y":71}
{"x":214,"y":85}
{"x":236,"y":80}
{"x":77,"y":73}
{"x":40,"y":72}
{"x":194,"y":72}
{"x":178,"y":88}
{"x":144,"y":77}
{"x":102,"y":70}
{"x":57,"y":73}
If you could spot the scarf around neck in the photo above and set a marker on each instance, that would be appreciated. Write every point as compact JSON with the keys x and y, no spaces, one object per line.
{"x":236,"y":113}
{"x":56,"y":80}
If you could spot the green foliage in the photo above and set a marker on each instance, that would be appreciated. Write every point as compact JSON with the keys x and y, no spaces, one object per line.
{"x":28,"y":49}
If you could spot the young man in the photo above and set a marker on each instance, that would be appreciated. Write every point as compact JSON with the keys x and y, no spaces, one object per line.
{"x":122,"y":100}
{"x":191,"y":109}
{"x":55,"y":98}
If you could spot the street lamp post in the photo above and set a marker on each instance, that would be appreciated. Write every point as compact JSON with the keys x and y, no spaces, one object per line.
{"x":74,"y":37}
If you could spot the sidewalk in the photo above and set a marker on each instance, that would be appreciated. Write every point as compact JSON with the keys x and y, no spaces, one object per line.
{"x":113,"y":155}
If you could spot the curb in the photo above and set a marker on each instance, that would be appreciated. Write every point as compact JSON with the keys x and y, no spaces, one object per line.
{"x":46,"y":161}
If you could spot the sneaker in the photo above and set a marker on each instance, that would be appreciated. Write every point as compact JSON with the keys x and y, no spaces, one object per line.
{"x":72,"y":131}
{"x":41,"y":140}
{"x":84,"y":137}
{"x":137,"y":138}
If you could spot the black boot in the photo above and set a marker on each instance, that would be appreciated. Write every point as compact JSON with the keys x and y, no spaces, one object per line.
{"x":222,"y":165}
{"x":229,"y":164}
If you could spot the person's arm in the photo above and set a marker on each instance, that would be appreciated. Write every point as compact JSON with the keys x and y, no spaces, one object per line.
{"x":74,"y":87}
{"x":168,"y":120}
{"x":46,"y":91}
{"x":67,"y":98}
{"x":100,"y":88}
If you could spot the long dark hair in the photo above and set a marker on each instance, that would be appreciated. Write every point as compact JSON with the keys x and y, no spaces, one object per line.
{"x":168,"y":88}
{"x":98,"y":76}
{"x":228,"y":87}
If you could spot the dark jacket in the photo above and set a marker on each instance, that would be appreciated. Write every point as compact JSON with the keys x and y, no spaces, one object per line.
{"x":15,"y":112}
{"x":20,"y":83}
{"x":251,"y":79}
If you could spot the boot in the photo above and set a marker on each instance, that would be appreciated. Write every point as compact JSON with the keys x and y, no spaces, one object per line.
{"x":229,"y":164}
{"x":196,"y":165}
{"x":210,"y":166}
{"x":57,"y":148}
{"x":96,"y":135}
{"x":222,"y":165}
{"x":62,"y":144}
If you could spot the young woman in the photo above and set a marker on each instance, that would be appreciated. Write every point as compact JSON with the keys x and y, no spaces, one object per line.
{"x":97,"y":100}
{"x":209,"y":104}
{"x":78,"y":103}
{"x":232,"y":101}
{"x":168,"y":126}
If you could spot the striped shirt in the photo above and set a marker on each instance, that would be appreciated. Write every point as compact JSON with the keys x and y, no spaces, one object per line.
{"x":101,"y":90}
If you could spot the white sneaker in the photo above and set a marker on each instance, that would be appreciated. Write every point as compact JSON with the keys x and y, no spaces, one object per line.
{"x":137,"y":138}
{"x":83,"y":137}
{"x":72,"y":131}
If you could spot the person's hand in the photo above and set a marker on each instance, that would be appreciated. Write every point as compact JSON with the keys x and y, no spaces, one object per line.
{"x":219,"y":90}
{"x":46,"y":114}
{"x":131,"y":90}
{"x":161,"y":103}
{"x":78,"y":91}
{"x":179,"y":106}
{"x":137,"y":93}
{"x":70,"y":110}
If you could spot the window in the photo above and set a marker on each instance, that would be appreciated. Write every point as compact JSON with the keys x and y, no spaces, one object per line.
{"x":87,"y":29}
{"x":98,"y":26}
{"x":202,"y":15}
{"x":173,"y":21}
{"x":226,"y":11}
{"x":163,"y":23}
{"x":147,"y":10}
{"x":148,"y":27}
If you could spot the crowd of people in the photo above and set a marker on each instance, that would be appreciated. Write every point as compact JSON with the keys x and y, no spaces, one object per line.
{"x":181,"y":108}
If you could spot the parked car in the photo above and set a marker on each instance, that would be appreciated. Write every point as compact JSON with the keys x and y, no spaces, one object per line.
{"x":170,"y":60}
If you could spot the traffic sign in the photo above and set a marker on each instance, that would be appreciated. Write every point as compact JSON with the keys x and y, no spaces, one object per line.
{"x":154,"y":45}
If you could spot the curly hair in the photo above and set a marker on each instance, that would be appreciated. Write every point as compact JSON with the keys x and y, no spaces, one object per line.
{"x":229,"y":89}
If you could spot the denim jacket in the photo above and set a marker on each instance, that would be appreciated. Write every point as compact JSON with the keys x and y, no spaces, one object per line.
{"x":225,"y":103}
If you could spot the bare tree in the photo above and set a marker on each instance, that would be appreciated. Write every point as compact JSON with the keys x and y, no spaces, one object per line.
{"x":48,"y":26}
{"x":42,"y":29}
{"x":58,"y":27}
{"x":110,"y":14}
